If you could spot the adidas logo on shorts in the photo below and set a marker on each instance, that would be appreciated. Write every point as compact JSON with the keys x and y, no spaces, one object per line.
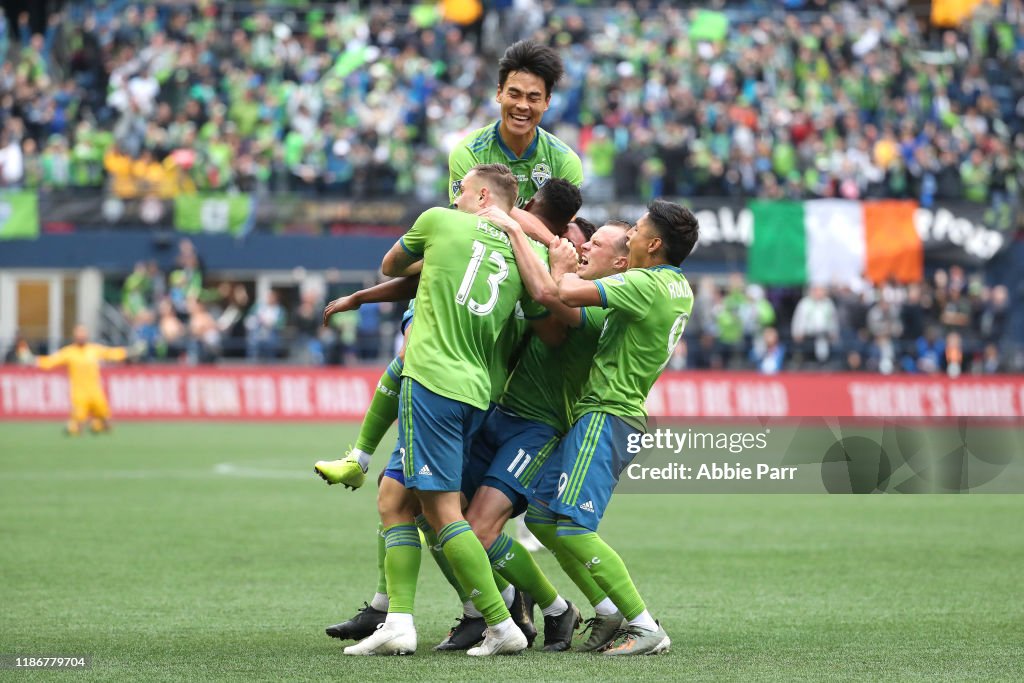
{"x":425,"y":471}
{"x":587,"y":507}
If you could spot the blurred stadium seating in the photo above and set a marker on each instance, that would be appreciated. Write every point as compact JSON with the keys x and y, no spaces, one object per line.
{"x":292,"y":141}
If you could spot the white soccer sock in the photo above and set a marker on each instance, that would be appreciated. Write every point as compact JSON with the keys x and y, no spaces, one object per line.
{"x":508,"y":595}
{"x":380,"y":602}
{"x":606,"y":607}
{"x":557,"y":607}
{"x":645,"y":621}
{"x":399,"y":619}
{"x":502,"y":628}
{"x":470,"y":610}
{"x":363,"y":457}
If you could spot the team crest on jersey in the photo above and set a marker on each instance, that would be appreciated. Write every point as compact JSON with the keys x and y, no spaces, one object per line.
{"x":456,"y":188}
{"x":540,"y":174}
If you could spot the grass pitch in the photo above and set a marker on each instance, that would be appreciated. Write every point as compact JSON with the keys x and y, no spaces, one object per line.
{"x":211,"y":552}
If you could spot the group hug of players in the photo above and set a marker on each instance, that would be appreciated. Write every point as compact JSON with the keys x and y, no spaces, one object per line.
{"x":530,"y":350}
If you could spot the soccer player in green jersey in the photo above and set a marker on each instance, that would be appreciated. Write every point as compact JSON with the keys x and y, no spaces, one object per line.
{"x":553,"y":205}
{"x":469,"y":288}
{"x":534,"y":411}
{"x":527,"y":74}
{"x":648,"y":307}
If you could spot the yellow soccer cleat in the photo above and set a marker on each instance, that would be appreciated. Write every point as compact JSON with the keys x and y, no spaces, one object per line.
{"x":346,"y":471}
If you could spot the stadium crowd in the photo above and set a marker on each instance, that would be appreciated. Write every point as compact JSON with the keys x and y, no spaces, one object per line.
{"x":857,"y":101}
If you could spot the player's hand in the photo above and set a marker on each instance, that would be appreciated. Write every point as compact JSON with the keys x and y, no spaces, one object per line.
{"x":562,"y":257}
{"x":340,"y":305}
{"x":501,"y":219}
{"x":136,"y":351}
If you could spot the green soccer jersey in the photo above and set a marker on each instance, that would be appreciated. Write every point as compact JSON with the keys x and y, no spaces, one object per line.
{"x":511,"y":338}
{"x":468,"y":290}
{"x":546,"y":157}
{"x":548,"y":382}
{"x":648,"y":309}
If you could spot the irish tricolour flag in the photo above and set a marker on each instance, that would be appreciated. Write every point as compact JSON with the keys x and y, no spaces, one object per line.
{"x":834,"y":241}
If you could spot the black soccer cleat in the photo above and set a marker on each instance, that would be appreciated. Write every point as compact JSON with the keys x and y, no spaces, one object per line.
{"x":522,"y":615}
{"x":363,"y":624}
{"x":558,"y":630}
{"x":468,"y":631}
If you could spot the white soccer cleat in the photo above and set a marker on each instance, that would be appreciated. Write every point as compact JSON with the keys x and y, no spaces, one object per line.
{"x":511,"y":642}
{"x":388,"y":639}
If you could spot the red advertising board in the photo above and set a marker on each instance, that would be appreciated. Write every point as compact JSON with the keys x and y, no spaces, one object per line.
{"x":294,"y":393}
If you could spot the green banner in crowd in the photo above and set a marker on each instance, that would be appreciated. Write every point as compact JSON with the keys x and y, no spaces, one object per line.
{"x":777,"y":256}
{"x":213,"y":213}
{"x":19,"y":216}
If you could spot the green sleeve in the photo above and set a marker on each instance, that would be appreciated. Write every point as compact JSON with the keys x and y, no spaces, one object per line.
{"x":592,"y":318}
{"x":631,"y":292}
{"x":416,"y":239}
{"x":531,"y":309}
{"x":571,"y":169}
{"x":459,"y":162}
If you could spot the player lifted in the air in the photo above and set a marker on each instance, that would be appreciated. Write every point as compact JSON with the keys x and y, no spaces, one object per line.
{"x":88,"y":400}
{"x":648,"y":307}
{"x":527,"y":74}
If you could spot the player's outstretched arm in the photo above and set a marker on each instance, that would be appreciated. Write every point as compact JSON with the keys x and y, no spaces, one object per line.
{"x":531,"y":225}
{"x":113,"y":353}
{"x":538,"y":281}
{"x":400,"y":262}
{"x":54,"y":360}
{"x":575,"y":291}
{"x":398,"y":289}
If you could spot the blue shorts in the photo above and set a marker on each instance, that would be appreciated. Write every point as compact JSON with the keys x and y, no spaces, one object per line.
{"x":508,"y":454}
{"x":394,"y":468}
{"x":581,"y":475}
{"x":407,"y":316}
{"x":434,"y":433}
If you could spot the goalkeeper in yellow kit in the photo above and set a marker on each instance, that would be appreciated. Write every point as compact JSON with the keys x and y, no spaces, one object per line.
{"x":83,"y":362}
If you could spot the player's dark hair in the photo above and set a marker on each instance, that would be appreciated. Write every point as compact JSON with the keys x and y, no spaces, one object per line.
{"x":586,"y":227}
{"x":557,"y":201}
{"x":677,"y":227}
{"x":500,"y":180}
{"x":531,"y":57}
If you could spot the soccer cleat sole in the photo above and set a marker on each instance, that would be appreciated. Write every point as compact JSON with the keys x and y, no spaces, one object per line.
{"x":332,"y":483}
{"x":662,"y":647}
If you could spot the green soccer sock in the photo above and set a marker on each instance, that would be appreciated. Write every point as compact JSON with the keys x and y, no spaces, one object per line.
{"x":383,"y":410}
{"x":542,"y":523}
{"x":402,"y":566}
{"x":382,"y":548}
{"x":515,"y":563}
{"x":442,"y":562}
{"x":605,"y":565}
{"x":499,"y":581}
{"x":469,"y":560}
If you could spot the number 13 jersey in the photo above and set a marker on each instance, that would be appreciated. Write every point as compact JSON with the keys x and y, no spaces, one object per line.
{"x":468,"y":290}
